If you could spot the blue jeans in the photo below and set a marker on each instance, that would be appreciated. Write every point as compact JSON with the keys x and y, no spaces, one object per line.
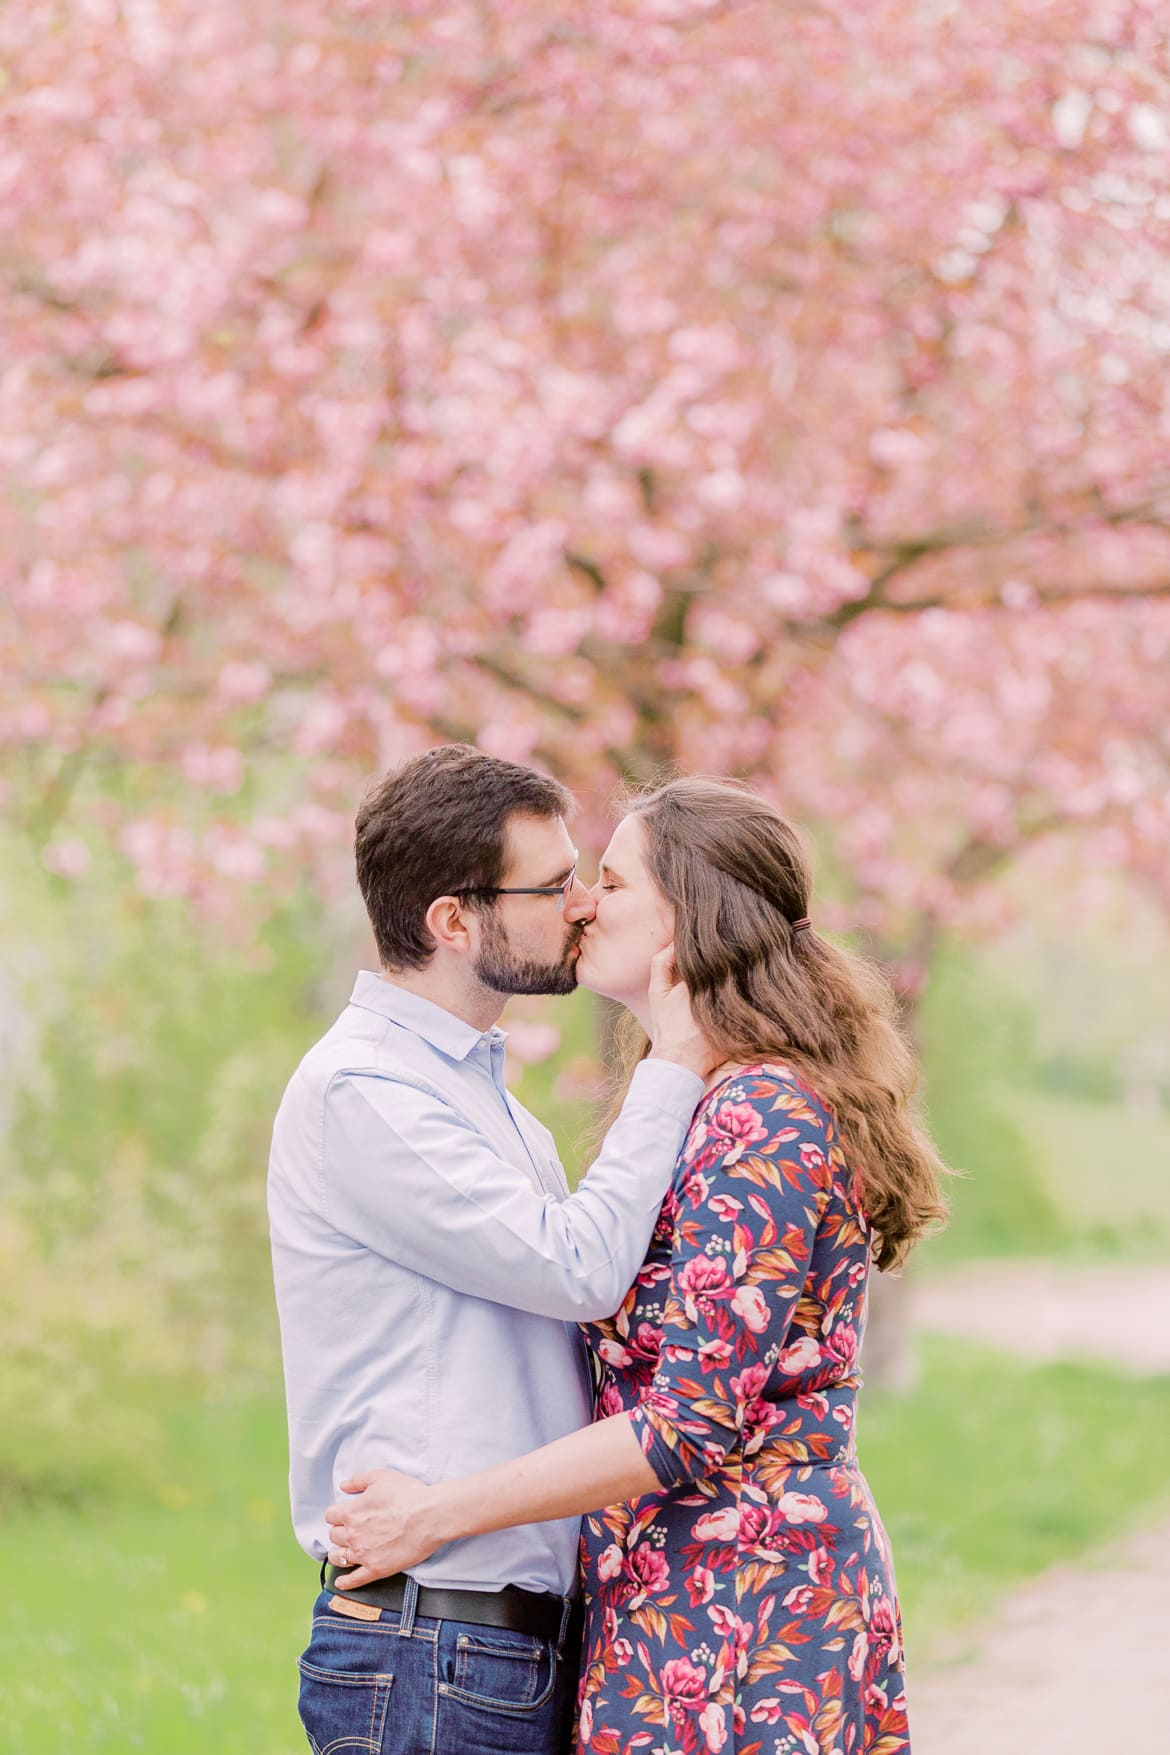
{"x":405,"y":1684}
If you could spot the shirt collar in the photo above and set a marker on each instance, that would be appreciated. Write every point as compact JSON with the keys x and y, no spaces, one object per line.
{"x":452,"y":1036}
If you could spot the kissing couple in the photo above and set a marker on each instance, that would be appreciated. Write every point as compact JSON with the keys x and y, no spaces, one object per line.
{"x":579,"y":1469}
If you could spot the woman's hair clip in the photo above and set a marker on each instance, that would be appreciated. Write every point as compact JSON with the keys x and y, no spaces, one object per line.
{"x":804,"y":924}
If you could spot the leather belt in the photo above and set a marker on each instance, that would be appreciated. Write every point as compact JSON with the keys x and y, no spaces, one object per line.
{"x":521,"y":1611}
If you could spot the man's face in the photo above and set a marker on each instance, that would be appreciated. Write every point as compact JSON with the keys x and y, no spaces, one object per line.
{"x":527,"y":944}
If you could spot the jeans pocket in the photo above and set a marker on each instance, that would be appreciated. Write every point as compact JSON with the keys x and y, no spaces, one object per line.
{"x":344,"y":1695}
{"x":501,"y":1671}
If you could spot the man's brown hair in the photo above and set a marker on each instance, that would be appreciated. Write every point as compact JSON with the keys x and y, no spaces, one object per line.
{"x":437,"y":826}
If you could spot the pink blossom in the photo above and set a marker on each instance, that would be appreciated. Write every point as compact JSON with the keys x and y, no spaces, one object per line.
{"x":750,"y":1305}
{"x":609,"y":1562}
{"x":649,"y":1570}
{"x":682,"y":1683}
{"x":740,"y":1123}
{"x":801,"y":1508}
{"x":820,"y":1565}
{"x":750,"y":1382}
{"x":703,"y":1274}
{"x":717,"y":1526}
{"x":713,"y":1723}
{"x":803,"y":1355}
{"x":701,"y":1585}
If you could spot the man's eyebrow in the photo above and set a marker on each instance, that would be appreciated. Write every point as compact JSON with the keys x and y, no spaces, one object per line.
{"x":563,"y":873}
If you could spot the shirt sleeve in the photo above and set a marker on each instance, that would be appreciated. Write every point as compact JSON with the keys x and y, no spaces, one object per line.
{"x":404,"y":1174}
{"x":751,"y":1196}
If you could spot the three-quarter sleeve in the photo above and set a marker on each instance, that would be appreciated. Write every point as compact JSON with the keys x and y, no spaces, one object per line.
{"x":755,"y":1179}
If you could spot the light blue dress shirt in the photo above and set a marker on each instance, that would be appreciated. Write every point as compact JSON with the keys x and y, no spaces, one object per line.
{"x":431,"y":1265}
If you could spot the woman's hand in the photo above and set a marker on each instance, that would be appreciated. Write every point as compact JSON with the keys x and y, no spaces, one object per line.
{"x":674,"y":1034}
{"x":386,"y":1524}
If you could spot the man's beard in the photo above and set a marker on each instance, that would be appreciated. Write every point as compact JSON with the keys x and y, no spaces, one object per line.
{"x":501,"y":970}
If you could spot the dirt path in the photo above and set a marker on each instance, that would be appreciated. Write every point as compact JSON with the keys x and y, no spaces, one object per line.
{"x":1077,"y":1662}
{"x":1044,"y":1310}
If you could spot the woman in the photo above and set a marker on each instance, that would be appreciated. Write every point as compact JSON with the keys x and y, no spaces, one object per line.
{"x":738,"y":1584}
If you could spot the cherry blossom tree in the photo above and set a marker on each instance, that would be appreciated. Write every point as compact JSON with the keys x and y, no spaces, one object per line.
{"x":763,"y":387}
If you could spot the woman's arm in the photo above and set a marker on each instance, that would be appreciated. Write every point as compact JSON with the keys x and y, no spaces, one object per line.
{"x":392,"y":1521}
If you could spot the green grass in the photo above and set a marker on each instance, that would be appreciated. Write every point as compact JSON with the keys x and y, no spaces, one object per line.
{"x":166,"y":1620}
{"x":994,"y":1469}
{"x":1106,"y":1169}
{"x":169,"y":1619}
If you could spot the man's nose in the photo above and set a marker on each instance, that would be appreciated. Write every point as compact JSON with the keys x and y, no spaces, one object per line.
{"x":581,"y":903}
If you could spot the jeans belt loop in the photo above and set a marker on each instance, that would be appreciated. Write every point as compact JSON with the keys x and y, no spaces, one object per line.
{"x":405,"y":1625}
{"x":566,"y":1613}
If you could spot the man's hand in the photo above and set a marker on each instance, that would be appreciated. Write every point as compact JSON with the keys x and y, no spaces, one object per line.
{"x":387,"y":1526}
{"x":674,"y":1034}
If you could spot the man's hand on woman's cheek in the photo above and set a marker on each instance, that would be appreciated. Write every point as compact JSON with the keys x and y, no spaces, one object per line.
{"x":380,"y":1526}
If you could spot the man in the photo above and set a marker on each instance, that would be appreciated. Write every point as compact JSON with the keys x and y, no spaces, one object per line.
{"x":431,"y":1265}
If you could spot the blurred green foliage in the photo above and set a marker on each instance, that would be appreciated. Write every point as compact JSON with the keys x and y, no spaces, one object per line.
{"x":975,"y":1044}
{"x":146,"y":1057}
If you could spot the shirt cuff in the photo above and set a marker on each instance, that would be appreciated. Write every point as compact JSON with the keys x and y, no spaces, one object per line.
{"x":662,"y":1084}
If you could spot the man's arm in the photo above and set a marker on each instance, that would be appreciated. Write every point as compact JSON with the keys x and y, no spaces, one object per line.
{"x":408,"y":1177}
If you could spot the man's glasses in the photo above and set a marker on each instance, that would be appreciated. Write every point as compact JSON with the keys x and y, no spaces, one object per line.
{"x":561,"y":891}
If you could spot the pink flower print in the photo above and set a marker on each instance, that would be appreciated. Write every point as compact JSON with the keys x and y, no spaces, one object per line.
{"x":820,"y":1565}
{"x":647,"y":1343}
{"x":811,"y":1156}
{"x":703,"y":1274}
{"x":614,"y":1354}
{"x":585,"y":1723}
{"x":609,"y":1563}
{"x":758,"y":1419}
{"x":750,"y":1382}
{"x":876,"y":1699}
{"x":802,"y":1355}
{"x":717,"y":1526}
{"x":753,"y":1523}
{"x":713,"y":1723}
{"x":801,"y":1508}
{"x":739,"y":1124}
{"x":883,"y":1629}
{"x":841,"y":1347}
{"x":697,"y":1189}
{"x":767,"y":1712}
{"x":683,"y":1685}
{"x":713,"y":1354}
{"x":610,"y":1400}
{"x":750,"y":1305}
{"x":623,"y":1651}
{"x":799,"y":1599}
{"x":725,"y":1206}
{"x":857,"y":1657}
{"x":649,"y":1572}
{"x":701,"y":1586}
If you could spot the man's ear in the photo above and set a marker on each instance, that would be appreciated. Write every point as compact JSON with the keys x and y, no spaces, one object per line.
{"x":447,"y":922}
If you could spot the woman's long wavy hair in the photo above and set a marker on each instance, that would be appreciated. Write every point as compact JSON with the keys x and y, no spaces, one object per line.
{"x":738,"y":878}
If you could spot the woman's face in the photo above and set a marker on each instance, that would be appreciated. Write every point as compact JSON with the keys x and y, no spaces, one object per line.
{"x":633,"y":921}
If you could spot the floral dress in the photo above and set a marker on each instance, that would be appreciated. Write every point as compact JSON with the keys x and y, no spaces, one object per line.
{"x":749,"y":1607}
